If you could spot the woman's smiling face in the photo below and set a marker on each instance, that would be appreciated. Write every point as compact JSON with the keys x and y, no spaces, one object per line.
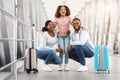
{"x":51,"y":26}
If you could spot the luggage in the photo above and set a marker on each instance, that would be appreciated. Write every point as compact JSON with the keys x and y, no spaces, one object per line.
{"x":30,"y":60}
{"x":101,"y":58}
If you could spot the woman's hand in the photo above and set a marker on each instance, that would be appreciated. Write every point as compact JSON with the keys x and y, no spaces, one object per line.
{"x":59,"y":50}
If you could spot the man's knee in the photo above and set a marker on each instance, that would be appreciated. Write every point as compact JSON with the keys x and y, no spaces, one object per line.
{"x":77,"y":46}
{"x":92,"y":54}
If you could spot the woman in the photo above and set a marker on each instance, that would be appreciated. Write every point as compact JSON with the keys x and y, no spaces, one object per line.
{"x":46,"y":50}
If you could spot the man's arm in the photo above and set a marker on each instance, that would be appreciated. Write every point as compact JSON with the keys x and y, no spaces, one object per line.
{"x":83,"y":38}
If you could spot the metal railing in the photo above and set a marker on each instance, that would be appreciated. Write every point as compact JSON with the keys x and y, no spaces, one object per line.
{"x":14,"y":39}
{"x":111,"y":43}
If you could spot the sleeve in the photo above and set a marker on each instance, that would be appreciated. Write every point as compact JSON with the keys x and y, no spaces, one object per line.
{"x":71,"y":38}
{"x":44,"y":41}
{"x":83,"y":39}
{"x":55,"y":21}
{"x":70,"y":20}
{"x":56,"y":24}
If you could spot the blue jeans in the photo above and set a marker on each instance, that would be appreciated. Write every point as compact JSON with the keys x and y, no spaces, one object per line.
{"x":79,"y":53}
{"x":63,"y":42}
{"x":49,"y":56}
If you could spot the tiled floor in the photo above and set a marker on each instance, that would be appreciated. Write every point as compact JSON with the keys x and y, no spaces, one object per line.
{"x":73,"y":74}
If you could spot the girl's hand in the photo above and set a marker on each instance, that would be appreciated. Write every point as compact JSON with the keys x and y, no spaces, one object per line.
{"x":83,"y":28}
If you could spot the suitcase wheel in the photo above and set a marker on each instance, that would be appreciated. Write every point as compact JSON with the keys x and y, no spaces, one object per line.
{"x":108,"y":71}
{"x":35,"y":70}
{"x":97,"y":72}
{"x":28,"y":70}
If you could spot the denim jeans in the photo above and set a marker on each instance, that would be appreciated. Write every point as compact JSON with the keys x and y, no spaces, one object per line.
{"x":63,"y":42}
{"x":49,"y":55}
{"x":79,"y":53}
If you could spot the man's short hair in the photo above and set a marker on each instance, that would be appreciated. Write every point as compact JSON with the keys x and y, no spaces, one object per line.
{"x":76,"y":19}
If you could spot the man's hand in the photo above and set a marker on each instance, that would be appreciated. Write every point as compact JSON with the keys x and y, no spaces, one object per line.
{"x":83,"y":27}
{"x":68,"y":32}
{"x":70,"y":47}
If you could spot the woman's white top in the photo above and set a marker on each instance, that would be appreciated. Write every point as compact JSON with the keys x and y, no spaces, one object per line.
{"x":47,"y":41}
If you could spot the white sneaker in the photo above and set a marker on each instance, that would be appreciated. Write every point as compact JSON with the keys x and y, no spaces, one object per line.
{"x":82,"y":68}
{"x":45,"y":67}
{"x":60,"y":68}
{"x":66,"y":67}
{"x":87,"y":62}
{"x":42,"y":62}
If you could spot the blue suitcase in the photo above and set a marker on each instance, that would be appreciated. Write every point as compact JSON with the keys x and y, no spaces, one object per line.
{"x":101,"y":58}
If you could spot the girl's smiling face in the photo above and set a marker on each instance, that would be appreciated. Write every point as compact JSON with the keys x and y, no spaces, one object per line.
{"x":62,"y":11}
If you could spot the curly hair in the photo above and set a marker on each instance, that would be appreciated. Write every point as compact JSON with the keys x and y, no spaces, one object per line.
{"x":57,"y":14}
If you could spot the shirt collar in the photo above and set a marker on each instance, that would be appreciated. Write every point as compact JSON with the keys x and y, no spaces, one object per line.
{"x":78,"y":31}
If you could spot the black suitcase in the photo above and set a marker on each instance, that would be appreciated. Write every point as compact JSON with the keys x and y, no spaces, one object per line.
{"x":30,"y":60}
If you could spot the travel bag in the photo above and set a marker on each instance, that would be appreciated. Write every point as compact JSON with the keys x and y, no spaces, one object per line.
{"x":101,"y":58}
{"x":30,"y":60}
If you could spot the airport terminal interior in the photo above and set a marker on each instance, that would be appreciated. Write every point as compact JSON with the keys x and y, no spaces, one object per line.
{"x":21,"y":23}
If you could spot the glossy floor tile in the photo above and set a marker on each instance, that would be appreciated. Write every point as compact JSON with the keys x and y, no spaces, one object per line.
{"x":73,"y":74}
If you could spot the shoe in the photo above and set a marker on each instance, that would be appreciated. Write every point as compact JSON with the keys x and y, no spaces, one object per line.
{"x":60,"y":68}
{"x":66,"y":67}
{"x":45,"y":67}
{"x":82,"y":68}
{"x":87,"y":62}
{"x":42,"y":62}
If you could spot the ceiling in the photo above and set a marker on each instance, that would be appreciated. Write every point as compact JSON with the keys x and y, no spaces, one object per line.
{"x":74,"y":5}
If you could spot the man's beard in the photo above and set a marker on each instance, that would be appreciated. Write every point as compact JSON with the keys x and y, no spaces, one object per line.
{"x":78,"y":28}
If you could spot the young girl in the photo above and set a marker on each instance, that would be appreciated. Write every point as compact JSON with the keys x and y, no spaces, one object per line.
{"x":46,"y":50}
{"x":63,"y":21}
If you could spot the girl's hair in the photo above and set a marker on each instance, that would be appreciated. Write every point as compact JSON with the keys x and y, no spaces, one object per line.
{"x":57,"y":14}
{"x":46,"y":24}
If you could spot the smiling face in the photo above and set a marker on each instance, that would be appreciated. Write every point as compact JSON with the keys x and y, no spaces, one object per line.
{"x":62,"y":11}
{"x":76,"y":25}
{"x":51,"y":26}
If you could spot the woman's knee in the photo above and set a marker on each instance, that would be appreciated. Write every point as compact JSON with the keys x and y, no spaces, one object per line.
{"x":38,"y":53}
{"x":52,"y":52}
{"x":59,"y":61}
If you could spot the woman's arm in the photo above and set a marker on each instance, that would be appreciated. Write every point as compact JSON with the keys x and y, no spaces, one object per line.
{"x":44,"y":41}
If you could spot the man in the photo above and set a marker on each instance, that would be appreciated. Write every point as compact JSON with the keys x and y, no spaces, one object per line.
{"x":80,"y":45}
